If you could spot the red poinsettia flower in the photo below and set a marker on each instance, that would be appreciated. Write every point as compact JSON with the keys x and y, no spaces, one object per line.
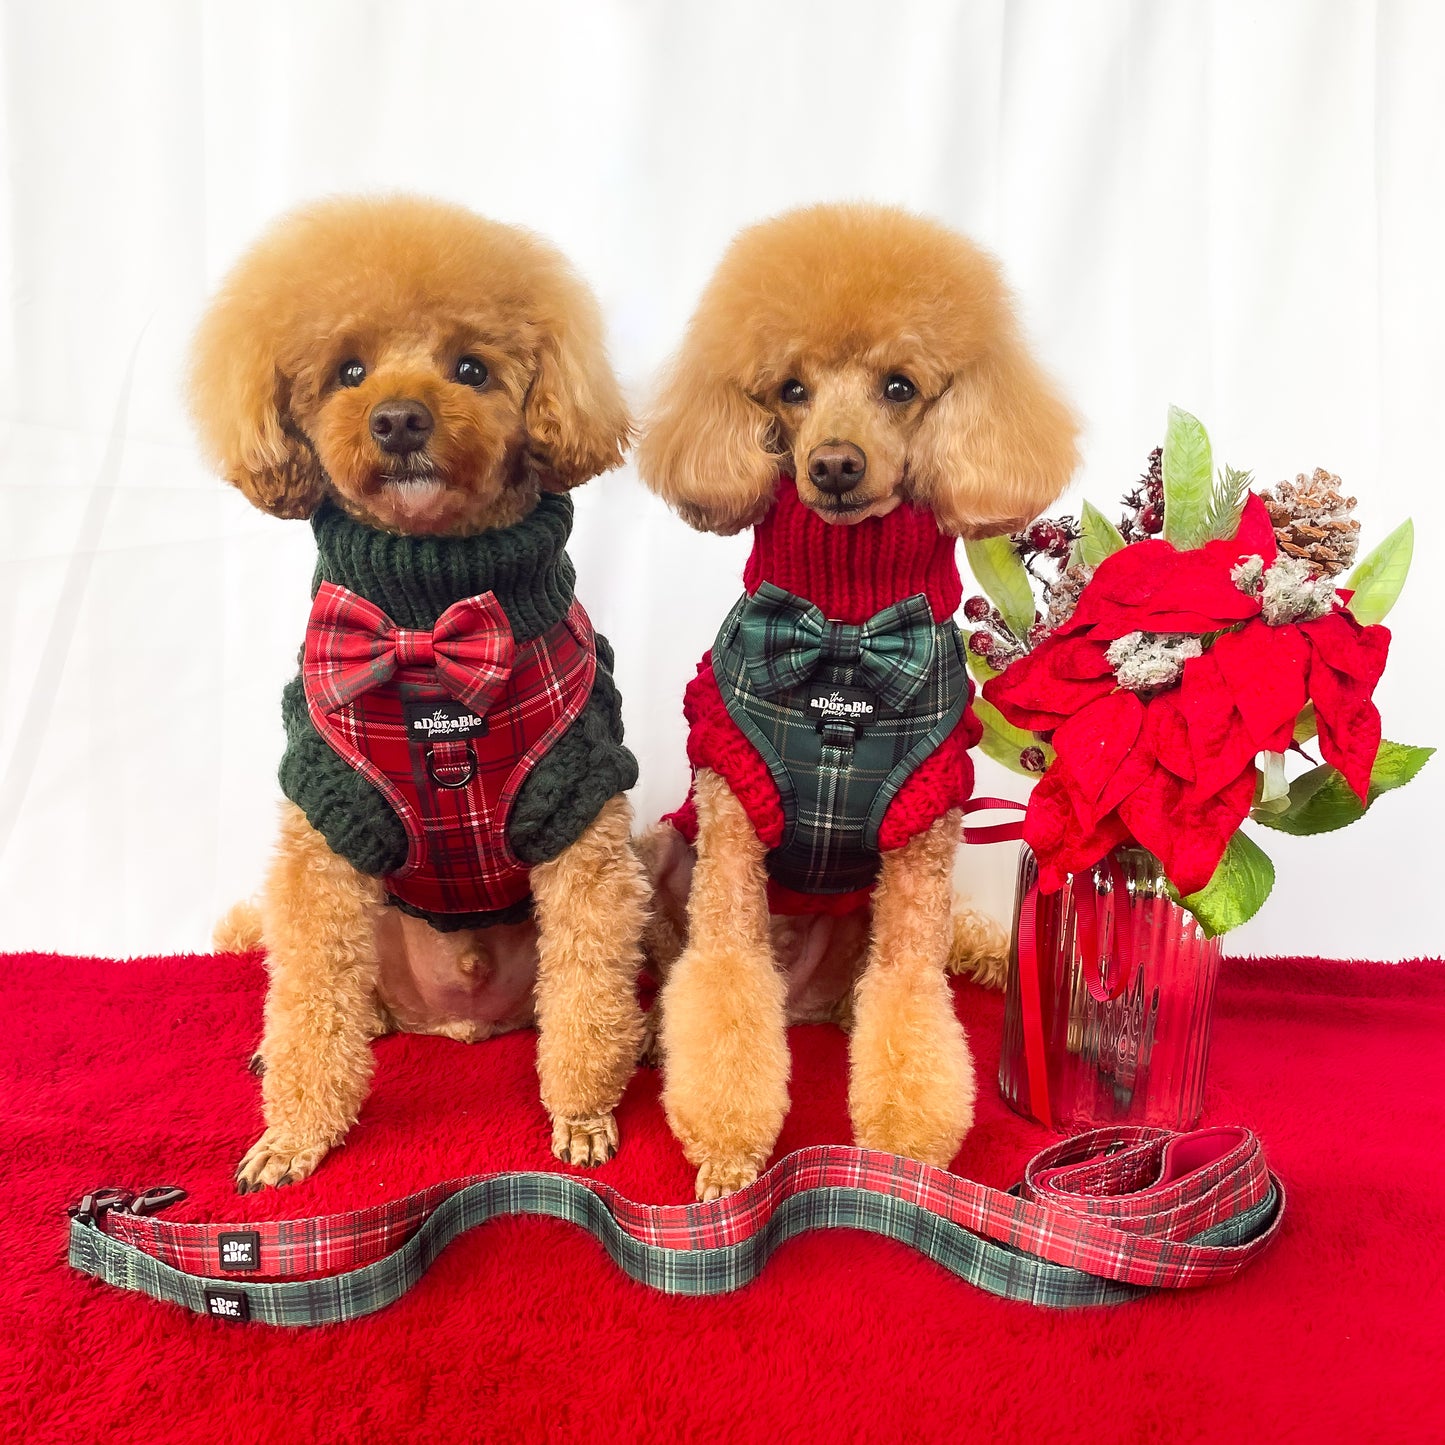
{"x":1154,"y":587}
{"x":1346,"y":662}
{"x":1175,"y":772}
{"x":1047,"y":686}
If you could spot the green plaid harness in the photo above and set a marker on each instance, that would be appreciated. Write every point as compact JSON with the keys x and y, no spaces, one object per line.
{"x":842,"y":715}
{"x":1097,"y":1219}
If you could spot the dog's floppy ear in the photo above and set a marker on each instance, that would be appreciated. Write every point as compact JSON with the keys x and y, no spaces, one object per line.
{"x":996,"y":448}
{"x":239,"y":400}
{"x":577,"y":423}
{"x":708,"y":450}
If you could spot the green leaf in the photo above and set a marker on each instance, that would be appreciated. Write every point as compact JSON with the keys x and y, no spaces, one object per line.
{"x":1238,"y":889}
{"x":1321,"y":800}
{"x":1003,"y":742}
{"x":1188,"y":480}
{"x":1226,"y":505}
{"x":976,"y":665}
{"x":1306,"y":725}
{"x":1377,"y":580}
{"x":1098,"y":537}
{"x":997,"y":569}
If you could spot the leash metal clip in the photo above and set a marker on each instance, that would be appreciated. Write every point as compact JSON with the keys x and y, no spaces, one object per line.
{"x":110,"y":1198}
{"x":156,"y":1198}
{"x":99,"y":1202}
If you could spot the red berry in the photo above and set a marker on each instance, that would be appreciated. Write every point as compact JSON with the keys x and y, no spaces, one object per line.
{"x":1032,"y":759}
{"x":982,"y":644}
{"x":1048,"y":537}
{"x":1151,"y":519}
{"x":1037,"y":633}
{"x":976,"y":609}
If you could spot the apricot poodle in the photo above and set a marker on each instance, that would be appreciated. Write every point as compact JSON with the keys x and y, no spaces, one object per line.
{"x":454,"y":853}
{"x":853,"y":386}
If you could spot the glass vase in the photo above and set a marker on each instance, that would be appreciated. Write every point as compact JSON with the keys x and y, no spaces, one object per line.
{"x":1125,"y":991}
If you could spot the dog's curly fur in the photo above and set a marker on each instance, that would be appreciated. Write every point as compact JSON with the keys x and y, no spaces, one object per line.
{"x":791,"y":349}
{"x":407,"y":287}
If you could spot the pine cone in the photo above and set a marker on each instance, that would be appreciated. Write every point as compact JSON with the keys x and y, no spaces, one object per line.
{"x":1312,"y":521}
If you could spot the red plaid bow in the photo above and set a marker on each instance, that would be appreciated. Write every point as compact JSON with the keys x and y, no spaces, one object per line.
{"x":352,"y":646}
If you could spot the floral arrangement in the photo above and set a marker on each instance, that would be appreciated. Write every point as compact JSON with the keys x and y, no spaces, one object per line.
{"x":1158,"y":676}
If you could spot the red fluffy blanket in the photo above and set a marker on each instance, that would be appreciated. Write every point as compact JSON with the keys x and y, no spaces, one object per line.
{"x":135,"y":1074}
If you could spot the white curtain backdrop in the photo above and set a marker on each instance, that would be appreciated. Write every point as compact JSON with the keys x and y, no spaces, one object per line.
{"x":1236,"y":207}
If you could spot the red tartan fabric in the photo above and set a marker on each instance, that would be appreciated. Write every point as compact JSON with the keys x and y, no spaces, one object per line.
{"x":849,"y":573}
{"x":453,"y":797}
{"x":352,"y":647}
{"x":1113,"y":1203}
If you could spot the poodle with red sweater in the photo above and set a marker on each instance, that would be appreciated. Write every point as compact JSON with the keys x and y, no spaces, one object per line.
{"x":852,"y":387}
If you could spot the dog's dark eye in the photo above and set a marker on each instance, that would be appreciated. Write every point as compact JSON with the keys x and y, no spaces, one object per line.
{"x":899,"y":388}
{"x":472,"y":371}
{"x":792,"y":392}
{"x":351,"y":373}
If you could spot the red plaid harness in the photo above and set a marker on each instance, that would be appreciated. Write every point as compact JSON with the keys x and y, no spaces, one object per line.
{"x":446,"y":725}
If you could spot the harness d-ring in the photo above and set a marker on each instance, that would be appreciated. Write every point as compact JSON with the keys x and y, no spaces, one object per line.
{"x":456,"y":782}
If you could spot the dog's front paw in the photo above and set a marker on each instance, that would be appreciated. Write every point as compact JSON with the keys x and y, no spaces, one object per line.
{"x":724,"y":1176}
{"x":586,"y":1141}
{"x":270,"y":1163}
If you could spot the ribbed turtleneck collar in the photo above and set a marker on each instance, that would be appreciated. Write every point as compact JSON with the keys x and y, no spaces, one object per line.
{"x":851,"y":572}
{"x":415,"y":579}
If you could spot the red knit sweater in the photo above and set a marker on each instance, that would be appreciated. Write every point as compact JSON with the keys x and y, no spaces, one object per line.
{"x":849,"y":573}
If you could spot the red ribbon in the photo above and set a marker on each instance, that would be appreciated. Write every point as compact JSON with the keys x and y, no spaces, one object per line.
{"x":1030,"y":983}
{"x":1084,"y":891}
{"x":994,"y":832}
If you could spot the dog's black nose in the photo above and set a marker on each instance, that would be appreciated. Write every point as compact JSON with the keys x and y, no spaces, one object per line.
{"x":837,"y":467}
{"x":400,"y":426}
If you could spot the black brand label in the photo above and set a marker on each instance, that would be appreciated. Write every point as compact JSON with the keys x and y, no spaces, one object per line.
{"x":228,"y":1304}
{"x":841,"y":704}
{"x":441,"y":721}
{"x":241,"y":1250}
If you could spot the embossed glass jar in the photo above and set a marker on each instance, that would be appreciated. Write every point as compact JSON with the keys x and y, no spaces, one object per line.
{"x":1119,"y":1014}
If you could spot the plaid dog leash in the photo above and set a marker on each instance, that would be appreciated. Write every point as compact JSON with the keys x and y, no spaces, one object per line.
{"x":1098,"y":1218}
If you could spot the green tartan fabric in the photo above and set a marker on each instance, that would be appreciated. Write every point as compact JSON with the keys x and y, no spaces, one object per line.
{"x":994,"y":1267}
{"x":837,"y":748}
{"x":787,"y":640}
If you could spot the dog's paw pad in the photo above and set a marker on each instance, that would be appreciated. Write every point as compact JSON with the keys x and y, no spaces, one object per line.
{"x":591,"y":1140}
{"x":270,"y":1164}
{"x":717,"y":1178}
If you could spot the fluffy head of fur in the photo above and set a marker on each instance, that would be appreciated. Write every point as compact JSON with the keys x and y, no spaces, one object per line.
{"x":354,"y":302}
{"x":793,"y":347}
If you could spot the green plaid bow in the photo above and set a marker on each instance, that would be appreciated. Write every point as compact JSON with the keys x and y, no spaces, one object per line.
{"x":786,"y":640}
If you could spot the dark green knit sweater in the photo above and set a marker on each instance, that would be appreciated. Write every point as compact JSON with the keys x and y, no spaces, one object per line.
{"x":414,"y":580}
